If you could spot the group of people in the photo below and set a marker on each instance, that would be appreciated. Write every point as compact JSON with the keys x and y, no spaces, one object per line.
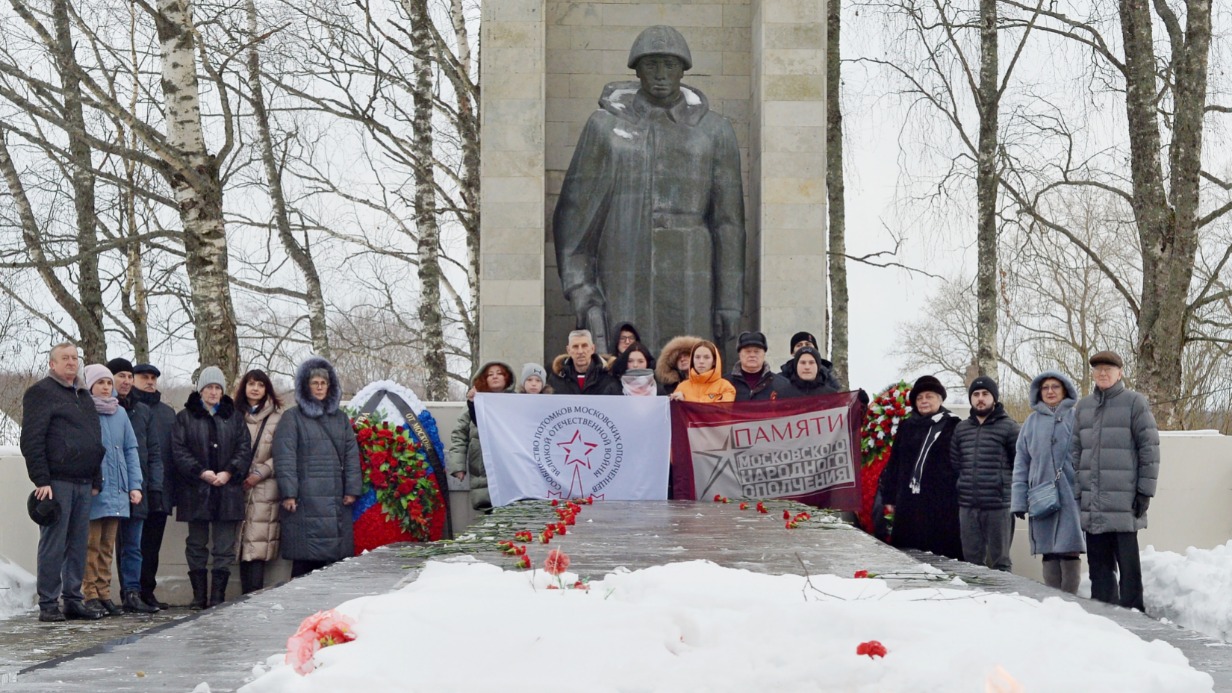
{"x":687,"y":368}
{"x":110,"y":462}
{"x":1082,"y":470}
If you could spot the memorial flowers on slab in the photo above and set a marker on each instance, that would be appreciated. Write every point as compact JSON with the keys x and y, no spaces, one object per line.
{"x":322,"y":629}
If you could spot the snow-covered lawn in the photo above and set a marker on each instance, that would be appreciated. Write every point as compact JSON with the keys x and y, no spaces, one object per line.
{"x":698,"y":627}
{"x":1194,"y":590}
{"x":17,"y":589}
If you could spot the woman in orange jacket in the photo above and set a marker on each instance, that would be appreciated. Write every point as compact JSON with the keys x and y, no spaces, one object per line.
{"x":706,"y":382}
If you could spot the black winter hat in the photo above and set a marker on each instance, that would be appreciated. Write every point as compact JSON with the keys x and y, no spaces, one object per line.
{"x":984,"y":383}
{"x":802,"y":337}
{"x":44,"y":512}
{"x":927,"y":383}
{"x":120,"y":366}
{"x":748,"y":339}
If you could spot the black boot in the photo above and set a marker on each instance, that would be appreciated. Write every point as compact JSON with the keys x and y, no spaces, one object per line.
{"x":133,"y":604}
{"x":75,"y":609}
{"x":218,"y":586}
{"x":198,"y":579}
{"x":149,"y":598}
{"x":252,"y":576}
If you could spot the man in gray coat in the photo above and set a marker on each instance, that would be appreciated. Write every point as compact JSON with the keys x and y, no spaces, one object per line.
{"x":1115,"y":450}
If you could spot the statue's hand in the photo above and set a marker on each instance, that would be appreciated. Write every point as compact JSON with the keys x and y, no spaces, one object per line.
{"x":725,"y":322}
{"x":590,"y":308}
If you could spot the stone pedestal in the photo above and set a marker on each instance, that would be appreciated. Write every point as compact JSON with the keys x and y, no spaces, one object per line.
{"x":761,"y":63}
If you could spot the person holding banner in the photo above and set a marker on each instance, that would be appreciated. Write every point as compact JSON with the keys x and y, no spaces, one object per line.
{"x":810,"y":374}
{"x":751,"y":377}
{"x":918,"y":486}
{"x":465,"y":452}
{"x":706,"y":383}
{"x":581,"y":371}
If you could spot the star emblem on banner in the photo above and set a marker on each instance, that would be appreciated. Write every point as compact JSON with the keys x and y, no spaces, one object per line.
{"x":724,"y":459}
{"x":577,"y":450}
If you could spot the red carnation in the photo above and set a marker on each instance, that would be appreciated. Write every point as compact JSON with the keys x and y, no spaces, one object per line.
{"x":761,"y":508}
{"x":861,"y":574}
{"x":786,"y":515}
{"x":555,"y":502}
{"x":556,"y":562}
{"x":378,"y":478}
{"x":524,"y":562}
{"x":872,"y":648}
{"x":405,"y":488}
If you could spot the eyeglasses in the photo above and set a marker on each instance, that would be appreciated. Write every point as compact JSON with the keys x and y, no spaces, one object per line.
{"x":1046,"y":388}
{"x":625,"y":339}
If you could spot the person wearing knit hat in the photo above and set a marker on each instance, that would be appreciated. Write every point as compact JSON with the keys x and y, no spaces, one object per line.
{"x":213,"y":455}
{"x":132,"y":528}
{"x":121,"y":489}
{"x":801,"y":339}
{"x":918,"y":486}
{"x":160,"y":485}
{"x":983,"y":452}
{"x":534,"y":380}
{"x":1115,"y":453}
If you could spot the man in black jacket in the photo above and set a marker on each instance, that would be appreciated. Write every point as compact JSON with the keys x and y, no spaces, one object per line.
{"x":982,"y":454}
{"x":161,"y":480}
{"x":62,"y":442}
{"x":128,"y":540}
{"x":752,"y":378}
{"x":581,"y":371}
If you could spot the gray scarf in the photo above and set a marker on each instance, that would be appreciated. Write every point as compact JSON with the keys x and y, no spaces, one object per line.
{"x":106,"y":405}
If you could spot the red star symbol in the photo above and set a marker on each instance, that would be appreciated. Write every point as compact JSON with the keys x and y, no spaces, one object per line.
{"x":576,"y":443}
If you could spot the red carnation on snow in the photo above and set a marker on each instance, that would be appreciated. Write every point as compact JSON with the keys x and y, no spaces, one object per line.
{"x":556,"y":562}
{"x":861,"y":574}
{"x":872,"y":648}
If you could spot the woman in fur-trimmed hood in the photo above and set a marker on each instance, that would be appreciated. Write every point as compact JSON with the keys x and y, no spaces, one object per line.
{"x":316,"y":463}
{"x":677,"y":351}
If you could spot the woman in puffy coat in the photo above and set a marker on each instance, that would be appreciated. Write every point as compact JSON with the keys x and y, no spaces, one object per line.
{"x":465,"y":454}
{"x":706,"y":382}
{"x":1043,"y":454}
{"x":121,"y":490}
{"x":211,"y":449}
{"x":316,"y":463}
{"x":259,"y":533}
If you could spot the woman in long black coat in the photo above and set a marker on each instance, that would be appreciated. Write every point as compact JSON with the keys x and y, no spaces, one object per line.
{"x":316,"y":462}
{"x":210,"y":447}
{"x":919,"y":485}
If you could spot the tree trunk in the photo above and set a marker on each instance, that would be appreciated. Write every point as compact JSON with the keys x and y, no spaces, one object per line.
{"x":300,"y":255}
{"x":1167,"y":234}
{"x":835,"y":193}
{"x":89,"y":318}
{"x":468,"y":190}
{"x":134,"y":298}
{"x":436,"y":387}
{"x":198,"y":192}
{"x":987,"y":275}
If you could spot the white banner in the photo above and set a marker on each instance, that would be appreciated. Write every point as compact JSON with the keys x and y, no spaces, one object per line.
{"x":573,"y":446}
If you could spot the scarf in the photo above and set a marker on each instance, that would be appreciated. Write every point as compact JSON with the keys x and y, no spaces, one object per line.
{"x":106,"y":405}
{"x":934,"y":432}
{"x":640,"y":385}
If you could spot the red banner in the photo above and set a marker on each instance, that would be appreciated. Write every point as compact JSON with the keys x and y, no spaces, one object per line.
{"x":803,"y":449}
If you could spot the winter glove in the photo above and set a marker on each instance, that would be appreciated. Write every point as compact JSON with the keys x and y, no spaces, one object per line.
{"x":1141,"y":503}
{"x":1021,"y":516}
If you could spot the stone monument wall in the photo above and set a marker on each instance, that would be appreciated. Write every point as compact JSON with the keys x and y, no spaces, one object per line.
{"x":761,"y":63}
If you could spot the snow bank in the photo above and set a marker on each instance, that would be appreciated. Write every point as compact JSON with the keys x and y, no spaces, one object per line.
{"x":699,"y":627}
{"x":17,"y":589}
{"x":1194,"y":590}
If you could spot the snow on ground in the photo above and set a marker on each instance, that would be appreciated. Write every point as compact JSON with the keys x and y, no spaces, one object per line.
{"x":698,"y":627}
{"x":1194,"y":590}
{"x":17,"y":589}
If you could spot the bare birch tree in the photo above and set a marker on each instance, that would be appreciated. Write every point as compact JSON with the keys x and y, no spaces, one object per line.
{"x":836,"y":207}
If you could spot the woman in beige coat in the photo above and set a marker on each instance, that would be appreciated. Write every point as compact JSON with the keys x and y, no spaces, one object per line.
{"x":260,"y":531}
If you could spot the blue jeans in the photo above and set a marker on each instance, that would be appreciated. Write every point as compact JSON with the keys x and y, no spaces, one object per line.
{"x":62,"y":546}
{"x":128,"y":553}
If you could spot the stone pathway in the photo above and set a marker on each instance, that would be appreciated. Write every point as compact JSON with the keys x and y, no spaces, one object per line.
{"x":222,"y":645}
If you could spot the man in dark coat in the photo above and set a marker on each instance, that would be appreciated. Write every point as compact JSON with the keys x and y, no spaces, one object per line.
{"x":62,"y":442}
{"x":160,"y":482}
{"x":649,"y":226}
{"x":918,"y":486}
{"x":316,"y":463}
{"x":825,"y":368}
{"x":212,"y":452}
{"x":1115,"y":452}
{"x":982,"y":454}
{"x":128,"y":539}
{"x":581,"y":371}
{"x":751,"y":376}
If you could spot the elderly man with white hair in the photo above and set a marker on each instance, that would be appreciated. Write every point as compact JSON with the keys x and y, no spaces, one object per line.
{"x":581,"y":371}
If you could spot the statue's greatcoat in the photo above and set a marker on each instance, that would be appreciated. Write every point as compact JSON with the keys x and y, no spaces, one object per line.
{"x":652,"y":213}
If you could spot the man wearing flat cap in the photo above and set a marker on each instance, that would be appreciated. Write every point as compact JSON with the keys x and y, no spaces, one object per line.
{"x":1115,"y":452}
{"x":162,"y":477}
{"x":649,"y":226}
